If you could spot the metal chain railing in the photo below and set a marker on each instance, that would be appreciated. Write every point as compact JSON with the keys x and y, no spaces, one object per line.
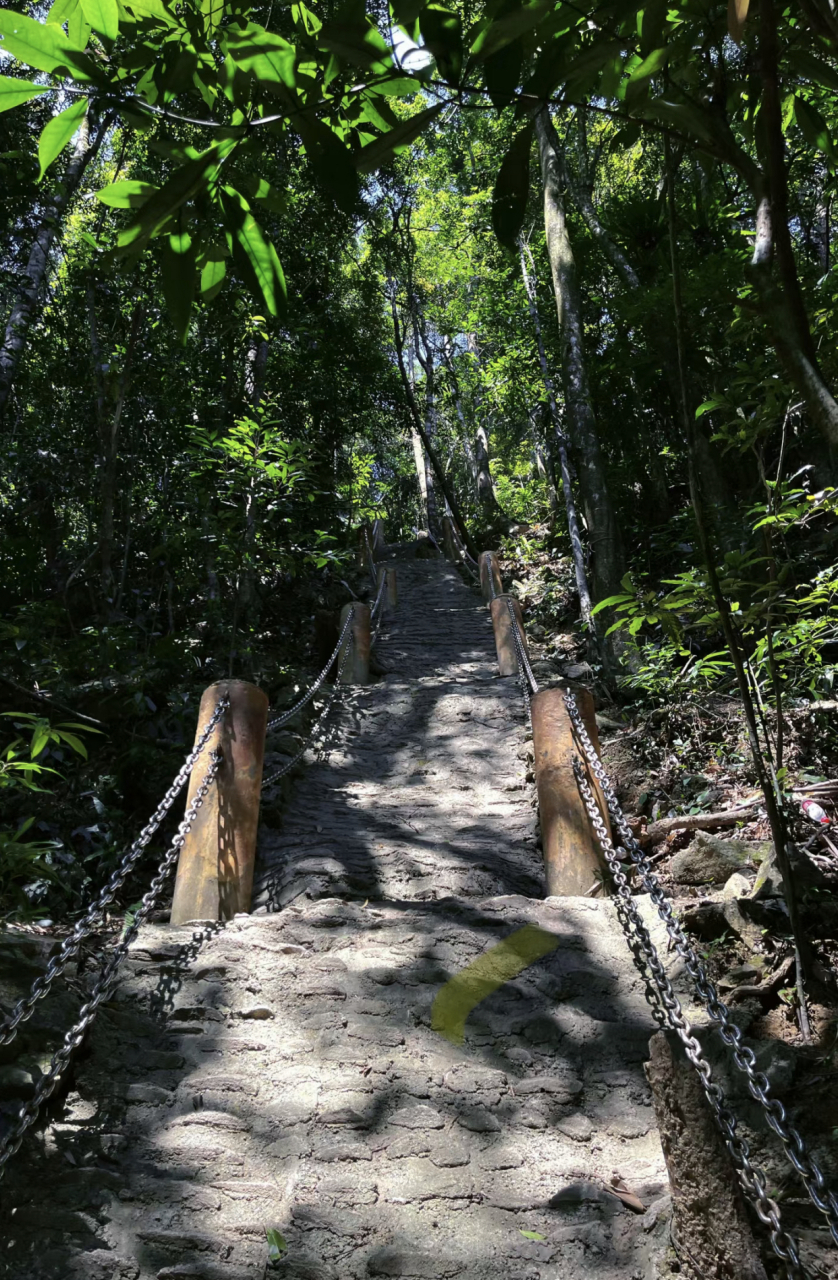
{"x":320,"y":720}
{"x":104,"y":984}
{"x":526,"y":679}
{"x":280,"y":720}
{"x":72,"y":945}
{"x":466,"y":559}
{"x":743,"y":1057}
{"x":751,"y":1177}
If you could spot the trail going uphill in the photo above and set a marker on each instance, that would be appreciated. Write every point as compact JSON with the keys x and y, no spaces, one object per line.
{"x":281,"y":1072}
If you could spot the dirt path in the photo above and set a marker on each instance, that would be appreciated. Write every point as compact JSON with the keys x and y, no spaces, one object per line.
{"x":281,"y":1071}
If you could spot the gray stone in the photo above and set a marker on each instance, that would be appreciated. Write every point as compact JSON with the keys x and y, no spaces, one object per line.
{"x":713,"y":859}
{"x":418,"y":1117}
{"x":391,"y":1260}
{"x":16,"y":1082}
{"x":579,"y":1128}
{"x":738,"y":886}
{"x":257,"y":1012}
{"x":478,"y":1120}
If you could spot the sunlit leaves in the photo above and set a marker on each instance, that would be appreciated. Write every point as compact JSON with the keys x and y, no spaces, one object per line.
{"x":43,"y":46}
{"x":443,"y":36}
{"x":14,"y":92}
{"x":128,"y":194}
{"x":178,"y":279}
{"x":268,"y":57}
{"x":103,"y":16}
{"x":55,"y":135}
{"x":255,"y":256}
{"x":813,"y":127}
{"x":377,"y":153}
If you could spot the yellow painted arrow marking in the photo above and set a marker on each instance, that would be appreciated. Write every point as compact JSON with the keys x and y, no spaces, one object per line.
{"x":463,"y":992}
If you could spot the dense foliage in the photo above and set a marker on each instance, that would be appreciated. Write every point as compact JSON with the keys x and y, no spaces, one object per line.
{"x":271,"y":271}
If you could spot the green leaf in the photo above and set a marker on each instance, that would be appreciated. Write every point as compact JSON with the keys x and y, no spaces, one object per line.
{"x":686,"y":117}
{"x":14,"y":92}
{"x":43,"y":46}
{"x":377,"y":153}
{"x":103,"y":16}
{"x":256,"y":255}
{"x":55,"y":135}
{"x":128,"y":194}
{"x":360,"y":44}
{"x":442,"y":33}
{"x":178,"y":279}
{"x":610,"y":601}
{"x":813,"y":127}
{"x":502,"y":31}
{"x":264,"y":55}
{"x":73,"y":741}
{"x":502,"y":72}
{"x":812,"y":68}
{"x":184,"y":183}
{"x":512,"y":189}
{"x":62,"y":11}
{"x":277,"y":1246}
{"x":213,"y":272}
{"x":40,"y":738}
{"x":531,"y":1235}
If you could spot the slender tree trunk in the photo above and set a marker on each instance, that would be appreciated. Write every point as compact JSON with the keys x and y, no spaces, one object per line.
{"x":773,"y":265}
{"x":256,"y":366}
{"x":448,"y":358}
{"x":421,"y":464}
{"x":25,"y":308}
{"x":486,"y":496}
{"x":109,"y":424}
{"x":576,"y":548}
{"x":607,"y":557}
{"x":776,"y":819}
{"x":439,"y":470}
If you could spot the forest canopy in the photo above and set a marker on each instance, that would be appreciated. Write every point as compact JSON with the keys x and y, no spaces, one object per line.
{"x":561,"y":271}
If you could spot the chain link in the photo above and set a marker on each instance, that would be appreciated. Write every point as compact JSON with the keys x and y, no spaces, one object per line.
{"x":72,"y":945}
{"x":751,"y":1177}
{"x":743,"y":1057}
{"x":103,"y":986}
{"x":283,"y":719}
{"x":327,"y":705}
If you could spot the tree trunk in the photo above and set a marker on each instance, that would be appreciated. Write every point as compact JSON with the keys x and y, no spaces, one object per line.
{"x":25,"y":308}
{"x":256,"y":366}
{"x":576,"y":548}
{"x":439,"y":470}
{"x":773,"y":265}
{"x":486,"y":496}
{"x":109,"y":424}
{"x":607,"y":557}
{"x":448,"y":358}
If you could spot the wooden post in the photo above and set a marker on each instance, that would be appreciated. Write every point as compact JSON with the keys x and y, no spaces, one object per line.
{"x":504,"y":639}
{"x":357,"y":669}
{"x":573,"y":862}
{"x":490,"y":582}
{"x":448,"y":538}
{"x":391,"y":593}
{"x":377,"y":538}
{"x":215,"y":868}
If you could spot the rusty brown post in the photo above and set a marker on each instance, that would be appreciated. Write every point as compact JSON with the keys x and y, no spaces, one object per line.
{"x":215,"y":867}
{"x":357,"y":668}
{"x":504,"y":639}
{"x":391,"y":593}
{"x":573,"y":862}
{"x":490,"y":583}
{"x":448,"y":538}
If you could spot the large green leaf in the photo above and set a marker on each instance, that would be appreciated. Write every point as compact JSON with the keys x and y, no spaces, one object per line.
{"x":262,"y":54}
{"x":150,"y":11}
{"x":126,"y":195}
{"x":502,"y":31}
{"x":43,"y":46}
{"x":55,"y":135}
{"x":213,"y":270}
{"x":14,"y":92}
{"x":62,"y":11}
{"x":813,"y":127}
{"x":184,"y":183}
{"x":255,"y":255}
{"x":686,"y":117}
{"x":641,"y":75}
{"x":442,"y":33}
{"x":359,"y":43}
{"x":512,"y":188}
{"x":103,"y":16}
{"x":377,"y":153}
{"x":812,"y":68}
{"x":178,"y":280}
{"x":502,"y":72}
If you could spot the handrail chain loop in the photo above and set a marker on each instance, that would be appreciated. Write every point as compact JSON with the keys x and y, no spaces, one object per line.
{"x":72,"y":945}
